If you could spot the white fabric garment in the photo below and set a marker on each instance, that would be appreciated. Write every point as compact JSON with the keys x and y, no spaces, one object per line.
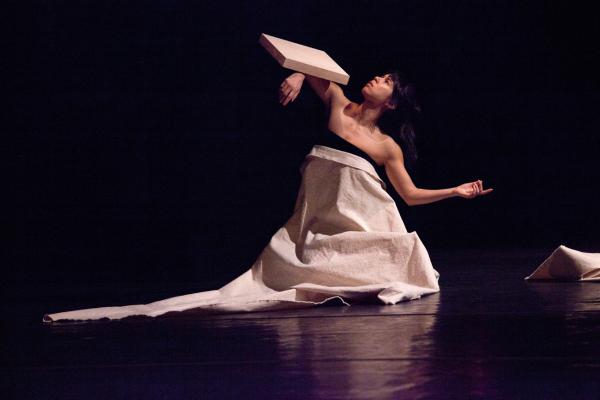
{"x":345,"y":241}
{"x":568,"y":265}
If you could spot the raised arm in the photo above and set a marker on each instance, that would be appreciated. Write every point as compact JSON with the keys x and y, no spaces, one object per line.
{"x":412,"y":195}
{"x":326,"y":90}
{"x":329,"y":92}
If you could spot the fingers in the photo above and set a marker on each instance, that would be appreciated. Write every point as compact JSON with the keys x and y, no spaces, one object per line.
{"x":479,"y":188}
{"x":291,"y":96}
{"x":475,"y":189}
{"x":286,"y":94}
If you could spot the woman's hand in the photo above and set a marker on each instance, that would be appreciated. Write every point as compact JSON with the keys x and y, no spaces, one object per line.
{"x":471,"y":190}
{"x":290,"y":87}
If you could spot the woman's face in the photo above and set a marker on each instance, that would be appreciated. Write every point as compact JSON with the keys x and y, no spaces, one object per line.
{"x":379,"y":89}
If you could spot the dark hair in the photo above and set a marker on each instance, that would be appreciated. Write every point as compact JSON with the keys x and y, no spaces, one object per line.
{"x":400,"y":122}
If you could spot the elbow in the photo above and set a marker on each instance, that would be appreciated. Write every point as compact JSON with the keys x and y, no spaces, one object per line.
{"x":409,"y":198}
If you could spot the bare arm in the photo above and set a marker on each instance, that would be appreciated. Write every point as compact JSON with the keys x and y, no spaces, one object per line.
{"x":325,"y":89}
{"x":329,"y":92}
{"x":412,"y":195}
{"x":405,"y":187}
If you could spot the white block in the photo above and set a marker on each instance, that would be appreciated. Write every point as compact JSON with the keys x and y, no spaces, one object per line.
{"x":304,"y":59}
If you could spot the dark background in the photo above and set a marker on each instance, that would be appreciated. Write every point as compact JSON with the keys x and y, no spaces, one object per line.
{"x":151,"y":147}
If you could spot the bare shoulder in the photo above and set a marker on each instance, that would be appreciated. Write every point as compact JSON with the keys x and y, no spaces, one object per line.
{"x":392,"y":152}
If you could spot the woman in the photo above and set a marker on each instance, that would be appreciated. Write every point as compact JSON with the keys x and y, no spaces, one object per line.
{"x":357,"y":124}
{"x":345,"y":239}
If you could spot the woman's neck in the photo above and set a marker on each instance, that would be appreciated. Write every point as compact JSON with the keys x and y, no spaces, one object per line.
{"x":367,"y":115}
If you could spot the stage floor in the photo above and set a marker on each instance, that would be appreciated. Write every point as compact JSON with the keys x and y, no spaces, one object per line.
{"x":487,"y":334}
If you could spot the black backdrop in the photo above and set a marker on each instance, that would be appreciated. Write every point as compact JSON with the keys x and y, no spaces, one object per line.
{"x":150,"y":144}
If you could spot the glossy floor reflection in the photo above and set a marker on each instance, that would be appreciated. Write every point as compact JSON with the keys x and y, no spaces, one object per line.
{"x":487,"y":334}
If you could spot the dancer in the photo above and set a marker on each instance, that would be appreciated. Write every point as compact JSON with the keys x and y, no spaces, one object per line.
{"x":357,"y":125}
{"x":345,"y":239}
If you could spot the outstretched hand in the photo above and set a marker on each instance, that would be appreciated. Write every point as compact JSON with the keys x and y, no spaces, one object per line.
{"x":471,"y":190}
{"x":290,"y":87}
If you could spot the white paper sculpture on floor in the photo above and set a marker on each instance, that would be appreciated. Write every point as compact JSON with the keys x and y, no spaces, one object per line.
{"x":568,"y":265}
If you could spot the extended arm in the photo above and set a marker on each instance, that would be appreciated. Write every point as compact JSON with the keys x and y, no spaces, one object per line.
{"x":412,"y":195}
{"x":405,"y":187}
